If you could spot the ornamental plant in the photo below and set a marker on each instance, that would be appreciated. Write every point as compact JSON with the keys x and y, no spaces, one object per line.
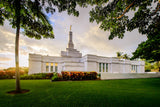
{"x":74,"y":75}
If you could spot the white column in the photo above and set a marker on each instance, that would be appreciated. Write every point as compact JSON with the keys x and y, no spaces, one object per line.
{"x":98,"y":67}
{"x":111,"y":67}
{"x":53,"y":67}
{"x":138,"y":69}
{"x":124,"y":65}
{"x":101,"y":67}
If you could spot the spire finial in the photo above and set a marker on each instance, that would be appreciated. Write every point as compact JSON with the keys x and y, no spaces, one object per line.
{"x":70,"y":27}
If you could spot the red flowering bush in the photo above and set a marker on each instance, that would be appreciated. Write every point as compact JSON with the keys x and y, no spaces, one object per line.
{"x":65,"y":75}
{"x":48,"y":75}
{"x":79,"y":75}
{"x":76,"y":75}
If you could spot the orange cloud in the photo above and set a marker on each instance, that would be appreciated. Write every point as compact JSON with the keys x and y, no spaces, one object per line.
{"x":5,"y":58}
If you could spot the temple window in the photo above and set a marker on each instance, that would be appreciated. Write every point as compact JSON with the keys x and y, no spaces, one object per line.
{"x":103,"y":66}
{"x":134,"y":68}
{"x":51,"y":67}
{"x":56,"y":67}
{"x":47,"y":67}
{"x":106,"y":67}
{"x":99,"y":67}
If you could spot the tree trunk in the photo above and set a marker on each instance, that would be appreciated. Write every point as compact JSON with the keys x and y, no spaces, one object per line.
{"x":17,"y":11}
{"x":18,"y":89}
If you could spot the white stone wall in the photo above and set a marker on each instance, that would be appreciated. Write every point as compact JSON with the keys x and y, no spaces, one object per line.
{"x":91,"y":66}
{"x":34,"y":67}
{"x":127,"y":68}
{"x":117,"y":68}
{"x":105,"y":76}
{"x":73,"y":66}
{"x":34,"y":64}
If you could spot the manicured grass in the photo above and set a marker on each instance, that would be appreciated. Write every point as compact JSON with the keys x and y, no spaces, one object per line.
{"x":108,"y":93}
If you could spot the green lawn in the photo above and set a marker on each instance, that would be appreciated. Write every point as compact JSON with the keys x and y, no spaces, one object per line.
{"x":110,"y":93}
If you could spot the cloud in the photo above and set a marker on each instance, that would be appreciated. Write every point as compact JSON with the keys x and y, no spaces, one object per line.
{"x":3,"y":63}
{"x":5,"y":59}
{"x":95,"y":41}
{"x":7,"y":38}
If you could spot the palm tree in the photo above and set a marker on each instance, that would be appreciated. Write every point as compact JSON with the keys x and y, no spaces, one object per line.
{"x":119,"y":54}
{"x":125,"y":56}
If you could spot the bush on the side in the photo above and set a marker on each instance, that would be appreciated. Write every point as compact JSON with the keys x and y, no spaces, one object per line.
{"x":53,"y":76}
{"x":2,"y":75}
{"x":9,"y":74}
{"x":37,"y":76}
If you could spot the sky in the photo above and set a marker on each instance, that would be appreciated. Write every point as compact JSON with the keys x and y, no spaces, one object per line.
{"x":88,"y":38}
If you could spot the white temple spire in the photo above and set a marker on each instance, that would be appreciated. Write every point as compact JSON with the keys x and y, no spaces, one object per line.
{"x":70,"y":43}
{"x":70,"y":51}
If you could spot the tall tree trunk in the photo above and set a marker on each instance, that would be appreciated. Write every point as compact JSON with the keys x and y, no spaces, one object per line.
{"x":18,"y":89}
{"x":17,"y":11}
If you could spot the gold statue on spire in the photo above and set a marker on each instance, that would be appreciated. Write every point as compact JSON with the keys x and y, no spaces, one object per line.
{"x":70,"y":27}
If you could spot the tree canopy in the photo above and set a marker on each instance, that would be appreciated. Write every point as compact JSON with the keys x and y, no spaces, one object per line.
{"x":28,"y":14}
{"x":150,"y":49}
{"x":112,"y":15}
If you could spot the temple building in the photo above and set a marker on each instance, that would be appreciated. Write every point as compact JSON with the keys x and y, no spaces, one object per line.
{"x":72,"y":60}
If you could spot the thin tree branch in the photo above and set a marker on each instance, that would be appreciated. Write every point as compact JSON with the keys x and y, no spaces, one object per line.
{"x":125,"y":11}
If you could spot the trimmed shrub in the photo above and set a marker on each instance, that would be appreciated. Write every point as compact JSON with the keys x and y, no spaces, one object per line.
{"x":79,"y":75}
{"x":76,"y":75}
{"x":65,"y":75}
{"x":37,"y":76}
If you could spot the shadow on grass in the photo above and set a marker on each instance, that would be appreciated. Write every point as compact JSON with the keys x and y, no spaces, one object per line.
{"x":13,"y":92}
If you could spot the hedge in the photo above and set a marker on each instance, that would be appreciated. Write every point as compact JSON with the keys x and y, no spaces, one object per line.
{"x":9,"y":74}
{"x":37,"y":76}
{"x":63,"y":76}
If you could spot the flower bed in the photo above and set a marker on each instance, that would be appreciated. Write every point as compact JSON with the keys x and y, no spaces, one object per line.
{"x":79,"y":75}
